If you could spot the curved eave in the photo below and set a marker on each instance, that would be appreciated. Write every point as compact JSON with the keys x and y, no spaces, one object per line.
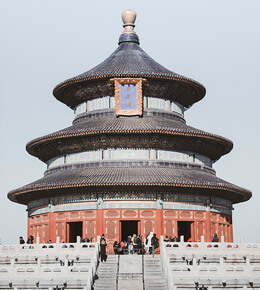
{"x":69,"y":87}
{"x":79,"y":130}
{"x":30,"y":147}
{"x":129,"y":177}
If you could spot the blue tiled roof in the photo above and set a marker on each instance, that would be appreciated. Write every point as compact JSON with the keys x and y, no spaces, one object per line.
{"x":132,"y":176}
{"x":128,"y":60}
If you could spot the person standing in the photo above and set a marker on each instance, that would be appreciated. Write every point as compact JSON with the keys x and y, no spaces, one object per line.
{"x":154,"y":243}
{"x":130,"y":248}
{"x":21,"y":240}
{"x":30,"y":239}
{"x":148,"y":243}
{"x":103,"y":244}
{"x":115,"y":247}
{"x":215,"y":238}
{"x":129,"y":239}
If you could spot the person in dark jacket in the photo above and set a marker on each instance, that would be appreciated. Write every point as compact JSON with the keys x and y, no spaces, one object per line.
{"x":155,"y":244}
{"x":103,"y":253}
{"x":140,"y":244}
{"x":21,"y":240}
{"x":30,"y":239}
{"x":215,"y":238}
{"x":115,"y":247}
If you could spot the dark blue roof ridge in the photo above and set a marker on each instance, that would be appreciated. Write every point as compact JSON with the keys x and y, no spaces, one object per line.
{"x":114,"y":66}
{"x":128,"y":37}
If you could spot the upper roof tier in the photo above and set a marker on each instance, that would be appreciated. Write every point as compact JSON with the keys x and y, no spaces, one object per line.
{"x":129,"y":60}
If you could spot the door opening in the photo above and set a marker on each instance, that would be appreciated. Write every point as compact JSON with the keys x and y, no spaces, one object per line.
{"x":128,"y":228}
{"x":184,"y":229}
{"x":74,"y":229}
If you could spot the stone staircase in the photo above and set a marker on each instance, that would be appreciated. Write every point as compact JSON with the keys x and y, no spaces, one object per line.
{"x":107,"y":274}
{"x":153,"y":275}
{"x":130,"y":274}
{"x":134,"y":272}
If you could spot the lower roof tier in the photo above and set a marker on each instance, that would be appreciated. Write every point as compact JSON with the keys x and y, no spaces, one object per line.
{"x":129,"y":132}
{"x":192,"y":179}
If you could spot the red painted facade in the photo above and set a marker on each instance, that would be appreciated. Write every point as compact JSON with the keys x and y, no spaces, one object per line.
{"x":108,"y":221}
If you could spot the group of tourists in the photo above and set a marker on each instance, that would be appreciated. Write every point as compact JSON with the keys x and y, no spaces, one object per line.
{"x":136,"y":244}
{"x":170,"y":239}
{"x":86,"y":240}
{"x":29,"y":240}
{"x":214,"y":239}
{"x":133,"y":244}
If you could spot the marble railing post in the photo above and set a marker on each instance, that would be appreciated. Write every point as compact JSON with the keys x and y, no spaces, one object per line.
{"x":78,"y":239}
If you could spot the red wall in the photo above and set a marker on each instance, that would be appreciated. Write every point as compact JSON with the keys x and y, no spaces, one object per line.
{"x":160,"y":221}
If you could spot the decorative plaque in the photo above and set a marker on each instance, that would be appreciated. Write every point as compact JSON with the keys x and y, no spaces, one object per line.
{"x":128,"y":96}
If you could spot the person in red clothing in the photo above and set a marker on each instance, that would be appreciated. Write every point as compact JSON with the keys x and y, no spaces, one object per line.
{"x":189,"y":241}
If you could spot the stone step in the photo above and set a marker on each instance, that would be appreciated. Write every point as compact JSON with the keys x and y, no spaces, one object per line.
{"x":105,"y":283}
{"x":104,"y":286}
{"x":106,"y":276}
{"x":107,"y":270}
{"x":155,"y":288}
{"x":153,"y":275}
{"x":108,"y":264}
{"x":112,"y":274}
{"x":154,"y":282}
{"x":150,"y":273}
{"x":155,"y":285}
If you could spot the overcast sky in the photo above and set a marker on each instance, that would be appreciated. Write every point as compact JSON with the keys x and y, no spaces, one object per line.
{"x":214,"y":42}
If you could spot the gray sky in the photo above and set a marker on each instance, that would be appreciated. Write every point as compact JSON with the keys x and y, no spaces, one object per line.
{"x":45,"y":42}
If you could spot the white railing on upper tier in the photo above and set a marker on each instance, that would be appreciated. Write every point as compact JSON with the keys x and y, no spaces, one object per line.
{"x":204,"y":265}
{"x":71,"y":264}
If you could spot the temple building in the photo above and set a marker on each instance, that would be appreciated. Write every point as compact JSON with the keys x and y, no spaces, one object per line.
{"x":129,"y":163}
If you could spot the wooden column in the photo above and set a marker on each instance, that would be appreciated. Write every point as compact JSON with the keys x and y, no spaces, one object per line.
{"x":159,"y":222}
{"x":51,"y":227}
{"x":207,"y":226}
{"x":99,"y":217}
{"x":175,"y":224}
{"x":193,"y":228}
{"x":231,"y":233}
{"x":29,"y":228}
{"x":84,"y":228}
{"x":100,"y":229}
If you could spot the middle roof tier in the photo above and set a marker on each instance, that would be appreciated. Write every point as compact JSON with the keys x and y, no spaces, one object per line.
{"x":150,"y":131}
